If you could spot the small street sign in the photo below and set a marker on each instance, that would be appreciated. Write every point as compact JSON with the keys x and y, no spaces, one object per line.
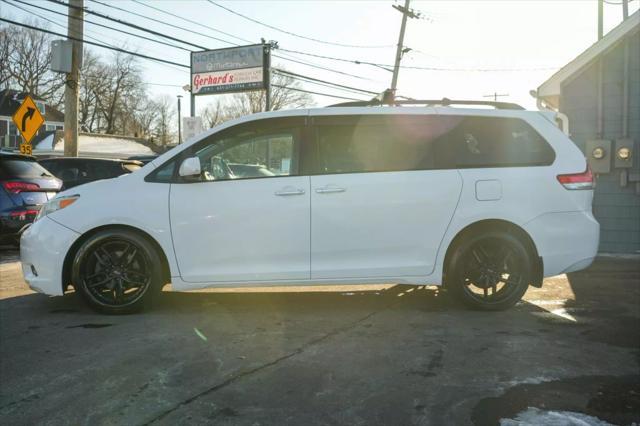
{"x":26,"y":148}
{"x":28,"y":120}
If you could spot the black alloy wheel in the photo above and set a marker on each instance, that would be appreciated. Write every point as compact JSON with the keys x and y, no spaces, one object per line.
{"x":490,"y":271}
{"x":117,"y":271}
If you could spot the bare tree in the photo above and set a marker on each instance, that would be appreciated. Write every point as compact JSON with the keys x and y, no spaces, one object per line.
{"x":124,"y":81}
{"x":163,"y":128}
{"x":282,"y":96}
{"x":26,"y":57}
{"x":214,"y":113}
{"x":145,"y":117}
{"x":5,"y":45}
{"x":93,"y":85}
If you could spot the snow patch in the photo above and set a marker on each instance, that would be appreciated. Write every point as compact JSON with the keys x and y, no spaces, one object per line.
{"x":46,"y":144}
{"x":107,"y":145}
{"x":531,"y":381}
{"x":537,"y":417}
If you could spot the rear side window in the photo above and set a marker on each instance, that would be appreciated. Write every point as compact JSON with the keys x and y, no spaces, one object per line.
{"x":353,"y":144}
{"x":472,"y":142}
{"x":378,"y":143}
{"x":21,"y":169}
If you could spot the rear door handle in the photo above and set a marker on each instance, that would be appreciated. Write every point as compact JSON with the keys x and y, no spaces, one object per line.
{"x":289,"y":191}
{"x":329,"y":190}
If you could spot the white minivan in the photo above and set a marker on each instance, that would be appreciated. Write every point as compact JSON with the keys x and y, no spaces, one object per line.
{"x":482,"y":201}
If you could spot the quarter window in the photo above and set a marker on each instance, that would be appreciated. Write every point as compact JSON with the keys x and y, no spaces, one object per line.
{"x":472,"y":142}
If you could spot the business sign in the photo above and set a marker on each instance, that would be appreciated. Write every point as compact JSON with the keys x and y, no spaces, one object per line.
{"x":235,"y":69}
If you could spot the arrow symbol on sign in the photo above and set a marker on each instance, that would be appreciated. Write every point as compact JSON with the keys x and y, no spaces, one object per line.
{"x":29,"y":114}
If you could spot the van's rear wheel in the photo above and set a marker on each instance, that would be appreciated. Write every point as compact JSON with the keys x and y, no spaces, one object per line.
{"x":117,"y":271}
{"x":490,"y":271}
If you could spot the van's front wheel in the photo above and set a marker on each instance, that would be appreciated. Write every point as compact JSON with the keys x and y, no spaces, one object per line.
{"x":117,"y":271}
{"x":489,"y":271}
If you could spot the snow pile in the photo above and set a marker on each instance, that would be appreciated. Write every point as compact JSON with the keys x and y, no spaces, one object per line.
{"x":537,"y":417}
{"x":107,"y":145}
{"x":46,"y":144}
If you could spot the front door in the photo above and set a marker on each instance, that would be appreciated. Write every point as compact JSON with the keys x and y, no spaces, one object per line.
{"x":247,"y":218}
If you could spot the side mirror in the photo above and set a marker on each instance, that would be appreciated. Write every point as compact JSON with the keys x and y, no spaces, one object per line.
{"x":190,"y":167}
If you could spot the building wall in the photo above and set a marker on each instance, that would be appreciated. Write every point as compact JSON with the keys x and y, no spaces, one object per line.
{"x":616,"y":208}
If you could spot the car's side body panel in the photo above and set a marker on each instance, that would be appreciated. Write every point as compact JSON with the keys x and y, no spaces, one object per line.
{"x":382,"y":224}
{"x":126,"y":200}
{"x":242,"y":230}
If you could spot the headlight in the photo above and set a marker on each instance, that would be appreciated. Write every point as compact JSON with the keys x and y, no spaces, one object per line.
{"x":56,"y":204}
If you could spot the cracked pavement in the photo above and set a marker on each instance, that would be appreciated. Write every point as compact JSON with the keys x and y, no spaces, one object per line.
{"x":323,"y":356}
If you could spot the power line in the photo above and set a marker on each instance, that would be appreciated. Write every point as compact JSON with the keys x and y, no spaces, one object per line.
{"x":353,"y":92}
{"x":99,"y":25}
{"x":31,"y":27}
{"x":129,"y":24}
{"x":310,"y":64}
{"x":292,"y":33}
{"x":314,"y":93}
{"x":104,"y":46}
{"x":125,"y":23}
{"x":190,"y":21}
{"x":358,"y":62}
{"x":162,"y":22}
{"x":317,"y":80}
{"x":86,"y":35}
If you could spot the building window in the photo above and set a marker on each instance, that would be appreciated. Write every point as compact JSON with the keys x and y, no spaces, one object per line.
{"x":40,"y":106}
{"x":50,"y":127}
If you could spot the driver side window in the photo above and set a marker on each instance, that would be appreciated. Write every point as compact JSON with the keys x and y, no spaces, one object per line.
{"x":249,"y":153}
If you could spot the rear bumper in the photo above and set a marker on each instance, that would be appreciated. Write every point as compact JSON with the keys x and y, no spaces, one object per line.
{"x":566,"y":241}
{"x":43,"y":247}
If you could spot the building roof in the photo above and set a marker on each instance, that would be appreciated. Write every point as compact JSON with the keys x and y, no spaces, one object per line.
{"x":549,"y":91}
{"x":10,"y":101}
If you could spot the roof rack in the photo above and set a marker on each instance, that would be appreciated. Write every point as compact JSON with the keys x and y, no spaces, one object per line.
{"x":427,"y":102}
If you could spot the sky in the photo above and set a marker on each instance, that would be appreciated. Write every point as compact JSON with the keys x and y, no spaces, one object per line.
{"x":473,"y":48}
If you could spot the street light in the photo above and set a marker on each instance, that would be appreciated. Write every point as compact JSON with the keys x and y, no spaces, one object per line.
{"x":179,"y":121}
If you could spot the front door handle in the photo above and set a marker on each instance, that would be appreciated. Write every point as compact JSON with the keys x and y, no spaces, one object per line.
{"x":329,"y":190}
{"x":289,"y":191}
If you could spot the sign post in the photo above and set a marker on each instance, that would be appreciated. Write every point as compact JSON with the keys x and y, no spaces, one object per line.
{"x":28,"y":120}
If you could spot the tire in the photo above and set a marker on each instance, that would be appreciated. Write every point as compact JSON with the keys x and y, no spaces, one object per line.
{"x":490,"y":271}
{"x":117,"y":271}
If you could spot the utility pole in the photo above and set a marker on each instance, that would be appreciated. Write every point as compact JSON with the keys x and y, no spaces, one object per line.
{"x":179,"y":121}
{"x":75,"y":26}
{"x":495,"y":96}
{"x":406,"y":12}
{"x":625,"y":9}
{"x":600,"y":18}
{"x":266,"y":52}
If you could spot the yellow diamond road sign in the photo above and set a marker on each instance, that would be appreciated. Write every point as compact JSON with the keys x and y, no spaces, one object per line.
{"x":28,"y":119}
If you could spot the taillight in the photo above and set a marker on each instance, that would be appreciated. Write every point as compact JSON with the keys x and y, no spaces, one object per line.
{"x":22,"y":214}
{"x":18,"y":187}
{"x":582,"y":180}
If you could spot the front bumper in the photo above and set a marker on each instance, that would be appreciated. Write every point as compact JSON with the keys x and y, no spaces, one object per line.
{"x":43,"y":247}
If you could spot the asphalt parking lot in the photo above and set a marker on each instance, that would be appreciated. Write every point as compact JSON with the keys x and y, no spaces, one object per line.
{"x":388,"y":355}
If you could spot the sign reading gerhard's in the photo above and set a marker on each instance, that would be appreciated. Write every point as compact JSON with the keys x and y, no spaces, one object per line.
{"x":235,"y":69}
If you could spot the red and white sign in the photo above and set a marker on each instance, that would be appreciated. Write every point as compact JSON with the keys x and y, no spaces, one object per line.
{"x":227,"y":81}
